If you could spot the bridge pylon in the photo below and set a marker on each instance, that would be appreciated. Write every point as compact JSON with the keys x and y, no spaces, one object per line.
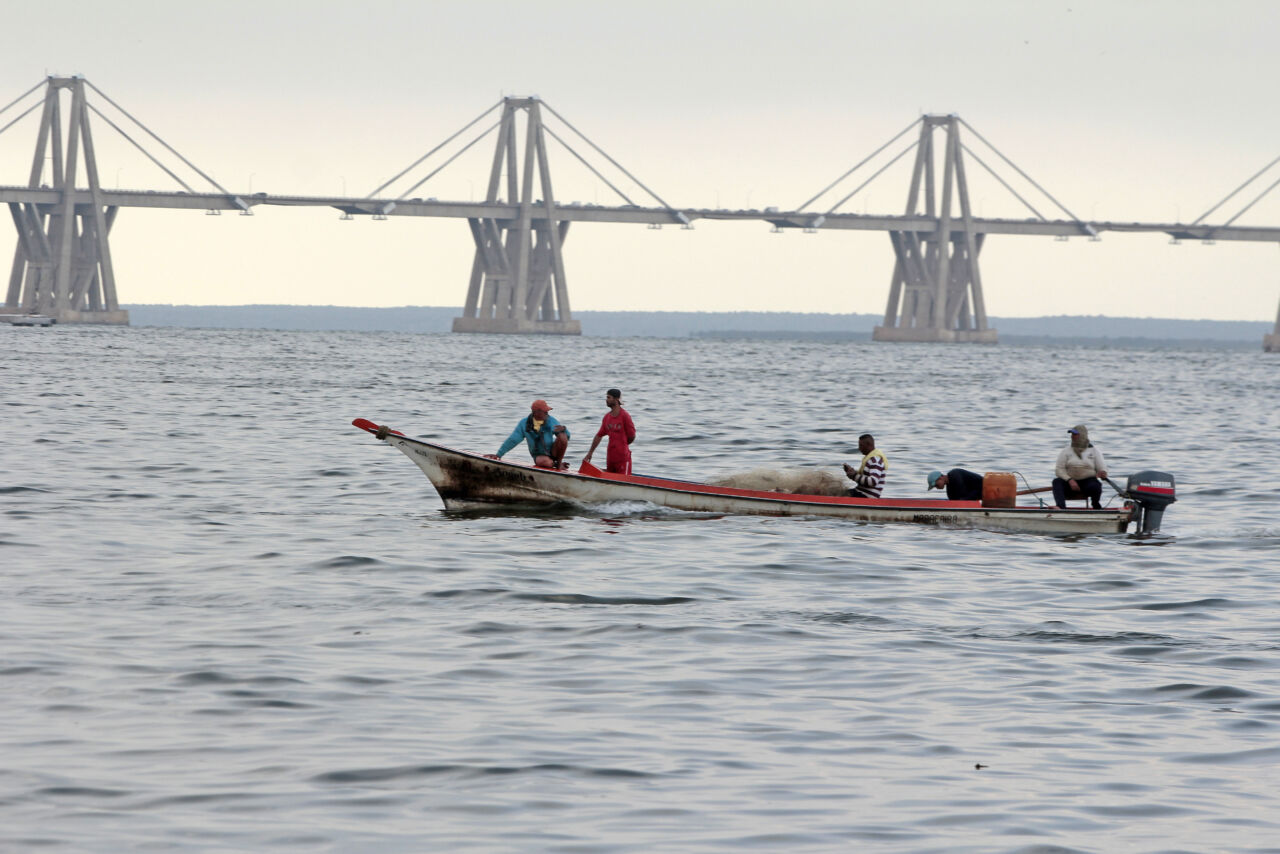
{"x":936,"y":290}
{"x":517,"y":278}
{"x":62,"y":263}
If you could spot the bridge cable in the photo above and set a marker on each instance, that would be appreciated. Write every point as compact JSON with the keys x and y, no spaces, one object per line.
{"x":22,"y":116}
{"x":171,"y":149}
{"x":606,"y":156}
{"x":877,"y":174}
{"x":584,"y":162}
{"x":149,"y":155}
{"x":458,"y":154}
{"x":855,"y":168}
{"x":23,"y":95}
{"x":1252,"y":203}
{"x":1020,"y":172}
{"x":459,"y":132}
{"x":983,"y":164}
{"x":1229,"y":195}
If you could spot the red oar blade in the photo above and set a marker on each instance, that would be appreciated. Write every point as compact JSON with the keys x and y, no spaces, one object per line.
{"x":587,"y":468}
{"x":369,"y":427}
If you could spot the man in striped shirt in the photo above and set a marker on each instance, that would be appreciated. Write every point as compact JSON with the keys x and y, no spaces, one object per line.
{"x":868,"y":478}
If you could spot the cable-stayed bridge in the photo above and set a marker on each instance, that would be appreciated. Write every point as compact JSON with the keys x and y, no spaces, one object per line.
{"x":63,"y":216}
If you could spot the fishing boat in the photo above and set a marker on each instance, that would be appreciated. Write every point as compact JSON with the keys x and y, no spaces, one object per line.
{"x":467,"y":481}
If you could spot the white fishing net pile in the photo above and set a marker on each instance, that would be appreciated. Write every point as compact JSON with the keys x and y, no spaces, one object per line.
{"x":799,"y":481}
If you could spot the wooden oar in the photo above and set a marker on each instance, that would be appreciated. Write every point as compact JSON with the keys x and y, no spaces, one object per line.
{"x":1110,"y":482}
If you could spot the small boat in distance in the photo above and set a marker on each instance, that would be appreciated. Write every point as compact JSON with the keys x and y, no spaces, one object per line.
{"x":467,"y":481}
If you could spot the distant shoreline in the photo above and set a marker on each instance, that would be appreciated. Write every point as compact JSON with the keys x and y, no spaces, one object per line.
{"x":811,"y":326}
{"x":1126,"y":342}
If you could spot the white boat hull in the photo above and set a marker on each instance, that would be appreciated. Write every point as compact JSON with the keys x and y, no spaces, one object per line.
{"x":466,"y":480}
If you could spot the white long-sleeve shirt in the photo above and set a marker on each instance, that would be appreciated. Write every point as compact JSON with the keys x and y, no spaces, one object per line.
{"x":1073,"y":466}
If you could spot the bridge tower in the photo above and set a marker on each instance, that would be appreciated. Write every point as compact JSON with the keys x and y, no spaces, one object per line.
{"x":936,"y":290}
{"x":62,"y":264}
{"x":517,"y":278}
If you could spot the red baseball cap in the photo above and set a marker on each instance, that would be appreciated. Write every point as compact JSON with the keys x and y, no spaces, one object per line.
{"x":539,"y":405}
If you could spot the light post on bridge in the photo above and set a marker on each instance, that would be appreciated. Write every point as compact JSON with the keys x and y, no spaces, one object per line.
{"x":345,"y":215}
{"x":249,"y":211}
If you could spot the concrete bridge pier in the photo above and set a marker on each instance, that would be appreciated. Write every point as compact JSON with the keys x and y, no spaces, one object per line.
{"x":936,"y":290}
{"x":62,"y":263}
{"x":913,"y":311}
{"x":1271,"y":343}
{"x":518,"y":281}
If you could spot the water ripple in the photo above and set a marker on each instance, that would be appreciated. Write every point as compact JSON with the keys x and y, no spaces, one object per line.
{"x":379,"y":775}
{"x":585,"y":599}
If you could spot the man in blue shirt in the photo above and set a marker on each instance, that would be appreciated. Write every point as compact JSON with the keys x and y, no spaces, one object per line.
{"x":546,"y":438}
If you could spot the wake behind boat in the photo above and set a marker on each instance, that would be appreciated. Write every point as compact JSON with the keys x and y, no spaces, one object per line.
{"x":467,"y":480}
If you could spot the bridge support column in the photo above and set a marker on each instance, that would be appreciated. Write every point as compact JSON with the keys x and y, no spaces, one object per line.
{"x":517,"y":278}
{"x":62,"y":265}
{"x":935,"y":293}
{"x":1271,"y":343}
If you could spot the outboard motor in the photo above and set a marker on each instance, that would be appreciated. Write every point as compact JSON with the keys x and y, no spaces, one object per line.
{"x":1152,"y":492}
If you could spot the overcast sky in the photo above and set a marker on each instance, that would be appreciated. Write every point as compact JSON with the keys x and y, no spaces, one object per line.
{"x":1130,"y":111}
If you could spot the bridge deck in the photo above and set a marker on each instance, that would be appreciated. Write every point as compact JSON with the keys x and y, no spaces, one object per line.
{"x":630,"y":214}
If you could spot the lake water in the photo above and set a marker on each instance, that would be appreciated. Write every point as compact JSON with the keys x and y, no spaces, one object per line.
{"x":233,"y":622}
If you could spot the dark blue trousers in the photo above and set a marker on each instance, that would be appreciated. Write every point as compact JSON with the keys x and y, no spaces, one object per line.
{"x":1090,"y":487}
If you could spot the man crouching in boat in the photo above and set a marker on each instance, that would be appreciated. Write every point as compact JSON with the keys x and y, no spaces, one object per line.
{"x":546,"y":437}
{"x":868,"y":478}
{"x":960,"y":484}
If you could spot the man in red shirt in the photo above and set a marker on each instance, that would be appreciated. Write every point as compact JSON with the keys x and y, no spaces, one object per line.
{"x":617,"y":425}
